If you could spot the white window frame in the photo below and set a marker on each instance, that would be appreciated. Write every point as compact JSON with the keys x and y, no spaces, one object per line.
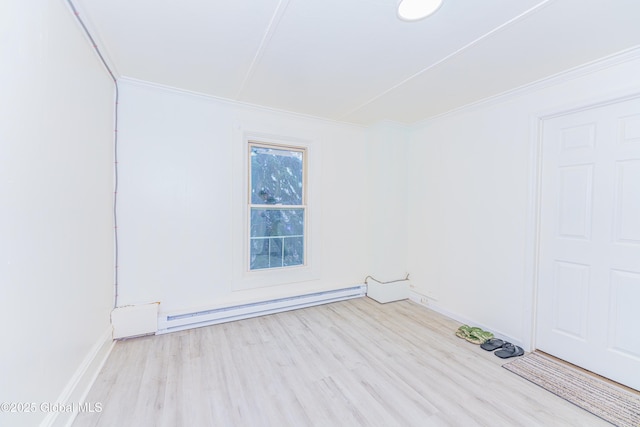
{"x":250,"y":206}
{"x":244,"y":279}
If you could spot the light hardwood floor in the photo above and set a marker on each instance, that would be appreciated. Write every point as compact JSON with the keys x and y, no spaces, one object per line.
{"x":351,"y":363}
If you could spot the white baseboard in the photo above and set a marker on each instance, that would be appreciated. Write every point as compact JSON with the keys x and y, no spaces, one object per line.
{"x":80,"y":383}
{"x":432,"y":304}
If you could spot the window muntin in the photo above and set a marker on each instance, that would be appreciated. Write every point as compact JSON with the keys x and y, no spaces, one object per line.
{"x":277,"y":206}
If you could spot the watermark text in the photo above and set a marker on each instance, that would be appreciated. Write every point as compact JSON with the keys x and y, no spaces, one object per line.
{"x":48,"y":407}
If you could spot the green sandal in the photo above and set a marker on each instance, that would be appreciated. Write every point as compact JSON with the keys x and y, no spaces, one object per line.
{"x":463,"y":331}
{"x":478,"y":336}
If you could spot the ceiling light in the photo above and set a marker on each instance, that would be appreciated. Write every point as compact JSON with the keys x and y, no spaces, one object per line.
{"x":413,"y":10}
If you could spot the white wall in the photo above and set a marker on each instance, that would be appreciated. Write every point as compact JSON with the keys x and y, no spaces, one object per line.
{"x":387,"y":145}
{"x":182,"y":196}
{"x":471,"y":210}
{"x":56,"y":250}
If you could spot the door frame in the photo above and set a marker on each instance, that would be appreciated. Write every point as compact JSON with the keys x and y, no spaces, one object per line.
{"x":532,"y":235}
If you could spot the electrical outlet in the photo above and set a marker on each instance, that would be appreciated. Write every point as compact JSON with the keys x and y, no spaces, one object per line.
{"x":424,"y":300}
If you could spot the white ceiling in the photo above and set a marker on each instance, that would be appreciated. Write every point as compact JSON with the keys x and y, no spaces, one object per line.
{"x":354,"y":60}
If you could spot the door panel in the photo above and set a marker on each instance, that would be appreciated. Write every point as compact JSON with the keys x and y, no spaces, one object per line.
{"x":571,"y":286}
{"x":575,"y":201}
{"x":625,"y":294}
{"x":627,"y":209}
{"x":588,"y":308}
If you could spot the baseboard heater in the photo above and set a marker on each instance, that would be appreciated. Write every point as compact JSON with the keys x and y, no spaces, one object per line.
{"x":178,"y":322}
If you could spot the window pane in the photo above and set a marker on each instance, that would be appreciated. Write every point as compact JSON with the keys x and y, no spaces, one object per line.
{"x":276,"y":176}
{"x":277,"y":237}
{"x":277,"y":222}
{"x":293,"y":251}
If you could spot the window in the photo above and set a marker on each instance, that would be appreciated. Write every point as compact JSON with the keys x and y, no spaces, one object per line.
{"x":277,"y":206}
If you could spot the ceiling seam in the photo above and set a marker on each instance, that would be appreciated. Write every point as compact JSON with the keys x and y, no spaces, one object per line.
{"x":446,"y":58}
{"x":268,"y":34}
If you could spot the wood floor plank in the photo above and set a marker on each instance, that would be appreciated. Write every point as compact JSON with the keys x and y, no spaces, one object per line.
{"x":351,"y":363}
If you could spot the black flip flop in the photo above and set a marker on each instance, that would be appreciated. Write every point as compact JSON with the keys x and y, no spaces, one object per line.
{"x":509,"y":350}
{"x":492,"y":344}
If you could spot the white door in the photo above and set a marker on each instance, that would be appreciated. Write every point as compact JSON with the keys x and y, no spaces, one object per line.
{"x":588,"y":307}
